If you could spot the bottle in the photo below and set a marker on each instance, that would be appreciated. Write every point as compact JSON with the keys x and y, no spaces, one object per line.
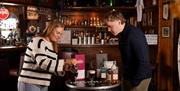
{"x":80,"y":37}
{"x":84,"y":38}
{"x":154,"y":2}
{"x":105,"y":37}
{"x":97,"y":21}
{"x":101,"y":35}
{"x":93,"y":39}
{"x":103,"y":71}
{"x":115,"y":75}
{"x":74,"y":3}
{"x":88,"y":38}
{"x":110,"y":2}
{"x":74,"y":39}
{"x":109,"y":75}
{"x":91,"y":21}
{"x":94,"y":21}
{"x":97,"y":3}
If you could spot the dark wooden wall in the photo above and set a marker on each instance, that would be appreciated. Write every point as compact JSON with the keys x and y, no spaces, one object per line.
{"x":167,"y":65}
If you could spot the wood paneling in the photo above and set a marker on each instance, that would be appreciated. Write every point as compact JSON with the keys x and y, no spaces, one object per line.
{"x":165,"y":55}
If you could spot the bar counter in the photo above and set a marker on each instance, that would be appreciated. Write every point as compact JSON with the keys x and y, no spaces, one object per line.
{"x":12,"y":54}
{"x":6,"y":49}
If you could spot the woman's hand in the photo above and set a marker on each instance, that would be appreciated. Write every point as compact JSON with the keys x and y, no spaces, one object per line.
{"x":69,"y":63}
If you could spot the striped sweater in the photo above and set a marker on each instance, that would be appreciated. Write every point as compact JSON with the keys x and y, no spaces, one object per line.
{"x":40,"y":61}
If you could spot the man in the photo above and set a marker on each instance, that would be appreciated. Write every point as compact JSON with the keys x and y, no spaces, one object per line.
{"x":137,"y":70}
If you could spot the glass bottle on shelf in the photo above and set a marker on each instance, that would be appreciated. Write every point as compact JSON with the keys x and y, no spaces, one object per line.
{"x":85,"y":22}
{"x":74,"y":39}
{"x":82,"y":22}
{"x":91,"y":21}
{"x":88,"y":38}
{"x":74,"y":3}
{"x":93,"y":39}
{"x":97,"y":21}
{"x":80,"y":38}
{"x":94,"y":21}
{"x":110,"y":3}
{"x":154,"y":2}
{"x":84,"y":38}
{"x":96,"y":3}
{"x":101,"y":35}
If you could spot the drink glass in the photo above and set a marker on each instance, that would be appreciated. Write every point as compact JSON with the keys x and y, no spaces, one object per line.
{"x":92,"y":76}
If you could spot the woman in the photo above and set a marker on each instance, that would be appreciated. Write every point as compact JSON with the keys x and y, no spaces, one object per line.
{"x":41,"y":60}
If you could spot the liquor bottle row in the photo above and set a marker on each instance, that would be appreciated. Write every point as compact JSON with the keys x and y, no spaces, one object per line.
{"x":90,"y":21}
{"x":91,"y":38}
{"x":81,"y":21}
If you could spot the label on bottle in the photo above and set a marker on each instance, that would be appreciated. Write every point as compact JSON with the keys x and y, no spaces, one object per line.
{"x":115,"y":76}
{"x":103,"y":75}
{"x":74,"y":41}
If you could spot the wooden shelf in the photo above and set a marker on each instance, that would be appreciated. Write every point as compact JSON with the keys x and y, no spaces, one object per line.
{"x":8,"y":49}
{"x":101,"y":9}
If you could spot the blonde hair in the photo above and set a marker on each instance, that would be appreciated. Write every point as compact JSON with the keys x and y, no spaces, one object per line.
{"x":49,"y":29}
{"x":114,"y":15}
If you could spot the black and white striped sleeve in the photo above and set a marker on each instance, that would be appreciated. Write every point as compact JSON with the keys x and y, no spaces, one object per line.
{"x":45,"y":57}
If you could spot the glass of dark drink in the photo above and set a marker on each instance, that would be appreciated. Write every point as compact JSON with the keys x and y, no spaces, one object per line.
{"x":92,"y":76}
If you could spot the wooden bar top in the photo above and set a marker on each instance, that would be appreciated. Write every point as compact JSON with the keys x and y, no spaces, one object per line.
{"x":12,"y":48}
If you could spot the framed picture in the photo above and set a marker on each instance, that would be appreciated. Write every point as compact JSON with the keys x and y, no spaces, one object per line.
{"x":165,"y":32}
{"x":166,"y":11}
